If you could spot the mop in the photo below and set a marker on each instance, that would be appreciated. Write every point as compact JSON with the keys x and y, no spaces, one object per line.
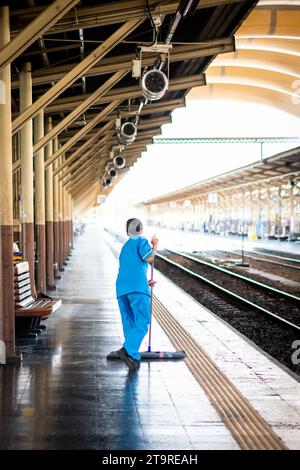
{"x":149,"y":354}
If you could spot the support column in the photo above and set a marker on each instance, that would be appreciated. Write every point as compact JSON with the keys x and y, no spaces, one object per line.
{"x":49,"y":214}
{"x":67,"y":243}
{"x":65,"y":222}
{"x":7,"y":311}
{"x":27,"y":172}
{"x":292,"y":211}
{"x":61,"y":222}
{"x":39,"y":199}
{"x":56,"y":214}
{"x":71,"y":223}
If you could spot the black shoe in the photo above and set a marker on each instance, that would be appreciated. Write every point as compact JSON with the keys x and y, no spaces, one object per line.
{"x":132,"y":364}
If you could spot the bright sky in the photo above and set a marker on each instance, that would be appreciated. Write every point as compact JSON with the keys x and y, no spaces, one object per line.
{"x":164,"y":168}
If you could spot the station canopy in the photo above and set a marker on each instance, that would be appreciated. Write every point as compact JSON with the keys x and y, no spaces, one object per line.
{"x":283,"y":168}
{"x":265,"y":66}
{"x":81,"y":59}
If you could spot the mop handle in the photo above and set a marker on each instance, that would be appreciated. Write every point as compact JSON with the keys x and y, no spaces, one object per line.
{"x":151,"y":301}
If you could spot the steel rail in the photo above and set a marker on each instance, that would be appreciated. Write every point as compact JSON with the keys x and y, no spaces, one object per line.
{"x":217,"y":286}
{"x":294,"y":260}
{"x":264,"y":259}
{"x":228,"y":292}
{"x":233,"y":274}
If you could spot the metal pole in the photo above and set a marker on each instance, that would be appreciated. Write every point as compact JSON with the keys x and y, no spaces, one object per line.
{"x":261,"y":152}
{"x":151,"y":306}
{"x":243,"y":259}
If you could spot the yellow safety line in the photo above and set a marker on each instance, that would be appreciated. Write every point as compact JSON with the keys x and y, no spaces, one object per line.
{"x":246,"y":425}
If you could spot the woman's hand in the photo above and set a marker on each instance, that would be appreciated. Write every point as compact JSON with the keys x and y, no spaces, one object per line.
{"x":151,"y":283}
{"x":154,"y":242}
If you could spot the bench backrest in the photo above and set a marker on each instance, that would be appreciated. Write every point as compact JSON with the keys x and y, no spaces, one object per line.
{"x":22,"y":284}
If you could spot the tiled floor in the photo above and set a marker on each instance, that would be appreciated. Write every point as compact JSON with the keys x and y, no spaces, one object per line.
{"x":273,"y":392}
{"x":66,"y":395}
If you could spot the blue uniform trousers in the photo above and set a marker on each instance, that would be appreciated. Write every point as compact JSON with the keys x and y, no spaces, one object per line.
{"x":135,"y":313}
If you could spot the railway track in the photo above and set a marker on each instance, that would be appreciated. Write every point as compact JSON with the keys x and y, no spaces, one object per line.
{"x":292,"y":263}
{"x":283,"y":256}
{"x":273,"y":330}
{"x":281,"y":306}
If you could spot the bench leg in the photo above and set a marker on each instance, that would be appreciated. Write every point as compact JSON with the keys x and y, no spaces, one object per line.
{"x":26,"y":335}
{"x":53,"y":287}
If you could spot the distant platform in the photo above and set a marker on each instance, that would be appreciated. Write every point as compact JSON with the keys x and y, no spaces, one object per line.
{"x":188,"y":240}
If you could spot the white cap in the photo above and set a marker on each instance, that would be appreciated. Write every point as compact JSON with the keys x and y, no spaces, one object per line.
{"x":135,"y":227}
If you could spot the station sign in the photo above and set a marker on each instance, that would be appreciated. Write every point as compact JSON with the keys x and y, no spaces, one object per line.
{"x":213,"y":198}
{"x":101,"y":199}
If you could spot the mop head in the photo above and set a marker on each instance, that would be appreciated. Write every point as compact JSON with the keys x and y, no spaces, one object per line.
{"x":153,"y":355}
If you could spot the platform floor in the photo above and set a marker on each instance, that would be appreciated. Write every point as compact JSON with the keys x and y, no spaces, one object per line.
{"x":66,"y":395}
{"x":272,"y":389}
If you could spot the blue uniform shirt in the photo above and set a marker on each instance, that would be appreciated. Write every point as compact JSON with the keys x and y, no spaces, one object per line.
{"x":132,"y":276}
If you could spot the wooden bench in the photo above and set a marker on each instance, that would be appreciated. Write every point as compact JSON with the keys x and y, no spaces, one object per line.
{"x":30,"y":311}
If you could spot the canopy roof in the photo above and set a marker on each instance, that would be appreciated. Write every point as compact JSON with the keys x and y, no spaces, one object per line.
{"x":81,"y":61}
{"x":284,"y":167}
{"x":265,"y":67}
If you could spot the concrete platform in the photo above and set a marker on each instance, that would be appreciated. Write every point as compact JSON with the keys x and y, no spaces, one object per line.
{"x":66,"y":395}
{"x":272,"y":389}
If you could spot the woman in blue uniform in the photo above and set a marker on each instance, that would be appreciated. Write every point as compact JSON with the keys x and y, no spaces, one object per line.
{"x":133,"y":291}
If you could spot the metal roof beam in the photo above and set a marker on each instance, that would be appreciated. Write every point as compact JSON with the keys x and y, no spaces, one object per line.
{"x":81,"y":133}
{"x":110,"y":13}
{"x":102,"y":90}
{"x":85,"y":146}
{"x":74,"y":74}
{"x":87,"y":166}
{"x":143,"y":124}
{"x":150,"y":108}
{"x":34,"y":30}
{"x":91,"y":174}
{"x":50,"y":50}
{"x":180,"y":83}
{"x":81,"y":164}
{"x":110,"y":64}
